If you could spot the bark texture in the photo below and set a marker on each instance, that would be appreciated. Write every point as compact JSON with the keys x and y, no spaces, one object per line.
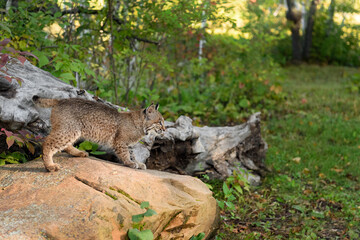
{"x":309,"y":30}
{"x":294,"y":16}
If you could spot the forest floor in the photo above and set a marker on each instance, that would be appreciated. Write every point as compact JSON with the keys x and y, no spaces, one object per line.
{"x":313,"y":190}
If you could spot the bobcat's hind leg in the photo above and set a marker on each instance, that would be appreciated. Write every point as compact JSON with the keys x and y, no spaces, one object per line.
{"x":76,"y":152}
{"x":122,"y":152}
{"x":54,"y":143}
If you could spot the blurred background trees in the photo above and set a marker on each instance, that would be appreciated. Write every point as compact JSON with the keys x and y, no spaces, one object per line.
{"x":217,"y":61}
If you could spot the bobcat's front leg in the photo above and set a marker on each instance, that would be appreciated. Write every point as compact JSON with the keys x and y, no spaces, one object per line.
{"x":122,"y":152}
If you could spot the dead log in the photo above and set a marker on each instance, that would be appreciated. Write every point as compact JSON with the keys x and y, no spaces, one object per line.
{"x":216,"y":151}
{"x":184,"y":148}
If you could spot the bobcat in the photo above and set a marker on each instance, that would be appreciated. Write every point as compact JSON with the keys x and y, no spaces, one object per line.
{"x":76,"y":118}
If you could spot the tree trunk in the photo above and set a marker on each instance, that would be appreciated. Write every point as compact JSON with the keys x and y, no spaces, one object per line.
{"x":330,"y":22}
{"x":294,"y":16}
{"x":309,"y":30}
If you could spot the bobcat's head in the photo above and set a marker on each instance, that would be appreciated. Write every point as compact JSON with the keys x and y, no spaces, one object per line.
{"x":154,"y":122}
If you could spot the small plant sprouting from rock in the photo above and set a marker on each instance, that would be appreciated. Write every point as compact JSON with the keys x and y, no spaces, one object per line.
{"x":138,"y":232}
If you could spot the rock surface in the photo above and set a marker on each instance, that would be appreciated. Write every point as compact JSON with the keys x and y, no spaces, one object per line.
{"x":95,"y":199}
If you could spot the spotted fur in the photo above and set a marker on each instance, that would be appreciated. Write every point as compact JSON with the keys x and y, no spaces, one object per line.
{"x":76,"y":118}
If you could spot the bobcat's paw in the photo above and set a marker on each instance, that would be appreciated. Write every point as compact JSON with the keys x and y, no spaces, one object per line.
{"x":142,"y":166}
{"x":83,"y":154}
{"x":53,"y":168}
{"x":132,"y":165}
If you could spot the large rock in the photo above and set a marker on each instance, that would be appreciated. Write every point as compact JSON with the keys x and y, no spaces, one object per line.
{"x":95,"y":199}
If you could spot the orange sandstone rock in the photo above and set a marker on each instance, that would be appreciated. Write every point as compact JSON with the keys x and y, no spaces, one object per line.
{"x":94,"y":199}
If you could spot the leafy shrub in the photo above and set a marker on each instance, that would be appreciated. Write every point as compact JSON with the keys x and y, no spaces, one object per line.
{"x":230,"y":84}
{"x":354,"y":83}
{"x":234,"y":77}
{"x":233,"y":190}
{"x":21,"y":146}
{"x":336,"y":45}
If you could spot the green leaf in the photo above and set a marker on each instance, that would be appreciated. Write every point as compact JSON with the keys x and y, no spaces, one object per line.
{"x":94,"y":146}
{"x":75,"y":67}
{"x":317,"y":214}
{"x":230,"y":205}
{"x":200,"y":236}
{"x":238,"y":188}
{"x":43,"y":60}
{"x":58,"y":65}
{"x":10,"y":159}
{"x":19,"y":156}
{"x":10,"y":141}
{"x":137,"y":218}
{"x":144,"y":205}
{"x":67,"y":4}
{"x":221,"y":204}
{"x":226,"y":190}
{"x":149,"y":213}
{"x":244,"y":103}
{"x":30,"y":147}
{"x":231,"y":198}
{"x":299,"y":208}
{"x":135,"y":234}
{"x":6,"y":28}
{"x":67,"y":76}
{"x":86,"y":145}
{"x":57,"y":15}
{"x":98,"y":153}
{"x":2,"y":162}
{"x":89,"y":72}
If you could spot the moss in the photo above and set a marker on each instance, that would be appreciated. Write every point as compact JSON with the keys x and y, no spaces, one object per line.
{"x":112,"y":196}
{"x":125,"y":194}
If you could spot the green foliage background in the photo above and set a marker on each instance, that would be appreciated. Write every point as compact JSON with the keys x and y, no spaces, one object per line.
{"x":137,"y":52}
{"x":133,"y":53}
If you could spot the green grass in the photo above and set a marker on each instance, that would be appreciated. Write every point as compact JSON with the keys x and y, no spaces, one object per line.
{"x":312,"y":191}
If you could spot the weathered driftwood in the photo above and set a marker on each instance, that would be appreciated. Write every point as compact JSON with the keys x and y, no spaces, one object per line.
{"x":183,"y":149}
{"x":215,"y":151}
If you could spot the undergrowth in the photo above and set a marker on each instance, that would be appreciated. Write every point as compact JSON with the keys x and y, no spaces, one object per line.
{"x":312,"y":191}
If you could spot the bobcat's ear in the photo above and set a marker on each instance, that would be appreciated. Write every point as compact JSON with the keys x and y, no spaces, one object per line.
{"x":148,"y":109}
{"x":157,"y":106}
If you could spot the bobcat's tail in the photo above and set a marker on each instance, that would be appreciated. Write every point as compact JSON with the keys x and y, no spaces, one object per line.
{"x":45,"y":102}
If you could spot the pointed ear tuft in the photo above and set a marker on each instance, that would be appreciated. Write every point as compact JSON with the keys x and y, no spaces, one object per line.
{"x":157,"y":106}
